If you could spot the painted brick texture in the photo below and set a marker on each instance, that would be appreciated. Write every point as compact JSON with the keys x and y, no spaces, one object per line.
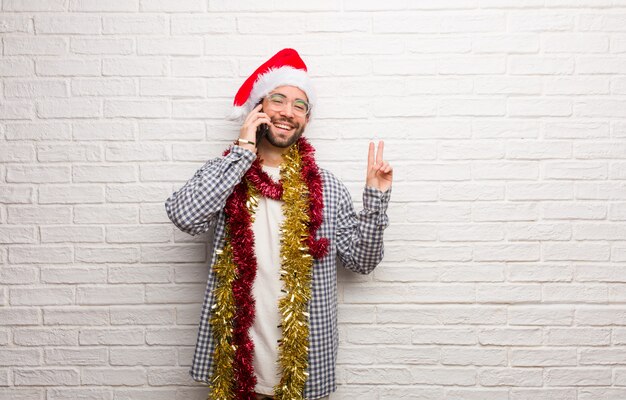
{"x":505,"y":269}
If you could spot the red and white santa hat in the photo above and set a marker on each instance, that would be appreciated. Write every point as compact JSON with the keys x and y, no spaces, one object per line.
{"x":284,"y":68}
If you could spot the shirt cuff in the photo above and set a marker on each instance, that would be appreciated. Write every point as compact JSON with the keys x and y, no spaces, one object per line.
{"x":242,"y":152}
{"x":375,"y":199}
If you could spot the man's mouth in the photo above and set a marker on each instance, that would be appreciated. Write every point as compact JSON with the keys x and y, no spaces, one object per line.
{"x":283,"y":126}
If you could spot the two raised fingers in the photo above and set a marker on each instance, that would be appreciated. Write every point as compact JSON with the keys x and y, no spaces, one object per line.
{"x":377,"y":159}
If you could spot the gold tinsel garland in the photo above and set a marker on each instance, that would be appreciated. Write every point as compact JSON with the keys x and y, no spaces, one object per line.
{"x":296,"y":274}
{"x":223,"y":312}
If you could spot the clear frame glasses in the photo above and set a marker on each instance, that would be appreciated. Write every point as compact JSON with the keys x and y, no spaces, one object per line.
{"x":278,"y":102}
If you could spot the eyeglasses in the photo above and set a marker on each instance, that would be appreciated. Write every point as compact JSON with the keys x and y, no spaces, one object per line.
{"x":278,"y":102}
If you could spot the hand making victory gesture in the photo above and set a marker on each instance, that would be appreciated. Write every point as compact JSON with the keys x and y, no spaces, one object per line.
{"x":379,"y":172}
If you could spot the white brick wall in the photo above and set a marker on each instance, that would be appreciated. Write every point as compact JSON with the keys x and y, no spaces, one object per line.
{"x":505,"y":121}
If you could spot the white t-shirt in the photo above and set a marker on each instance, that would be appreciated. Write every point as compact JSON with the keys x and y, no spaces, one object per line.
{"x":265,"y":332}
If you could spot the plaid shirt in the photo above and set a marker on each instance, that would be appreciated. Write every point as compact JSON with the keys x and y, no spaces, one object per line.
{"x":356,"y":239}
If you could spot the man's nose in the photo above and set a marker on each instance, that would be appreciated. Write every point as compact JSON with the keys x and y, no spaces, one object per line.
{"x":287,"y":110}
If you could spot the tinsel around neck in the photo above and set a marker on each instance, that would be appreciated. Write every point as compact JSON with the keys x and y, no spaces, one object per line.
{"x":309,"y":172}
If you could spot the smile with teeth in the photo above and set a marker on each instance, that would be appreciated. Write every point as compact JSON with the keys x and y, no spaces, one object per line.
{"x":284,"y":127}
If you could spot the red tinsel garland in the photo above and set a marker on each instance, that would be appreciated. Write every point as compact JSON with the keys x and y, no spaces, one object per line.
{"x":310,"y":174}
{"x":240,"y":225}
{"x":243,"y":255}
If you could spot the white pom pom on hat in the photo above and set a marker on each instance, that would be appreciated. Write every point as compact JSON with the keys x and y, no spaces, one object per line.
{"x":283,"y":68}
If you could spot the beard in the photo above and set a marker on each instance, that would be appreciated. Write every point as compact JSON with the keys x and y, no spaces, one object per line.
{"x":278,"y":140}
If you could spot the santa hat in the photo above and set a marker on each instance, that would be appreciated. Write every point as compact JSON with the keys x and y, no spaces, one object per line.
{"x":284,"y":68}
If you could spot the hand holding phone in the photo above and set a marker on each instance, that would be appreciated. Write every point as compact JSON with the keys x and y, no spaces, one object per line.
{"x":255,"y":123}
{"x":261,"y":130}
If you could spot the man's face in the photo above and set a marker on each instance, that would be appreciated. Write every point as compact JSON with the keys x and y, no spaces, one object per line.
{"x":287,"y":122}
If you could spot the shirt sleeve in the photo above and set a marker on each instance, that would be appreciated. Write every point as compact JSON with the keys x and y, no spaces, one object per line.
{"x":194,"y":206}
{"x":360,"y":236}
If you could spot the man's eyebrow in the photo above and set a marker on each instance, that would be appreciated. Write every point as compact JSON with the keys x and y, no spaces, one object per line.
{"x":280,"y":94}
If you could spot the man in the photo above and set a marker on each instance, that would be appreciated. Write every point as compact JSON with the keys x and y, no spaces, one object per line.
{"x":268,"y":327}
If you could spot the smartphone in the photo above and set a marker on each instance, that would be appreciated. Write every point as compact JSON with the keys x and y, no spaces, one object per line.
{"x":261,"y":130}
